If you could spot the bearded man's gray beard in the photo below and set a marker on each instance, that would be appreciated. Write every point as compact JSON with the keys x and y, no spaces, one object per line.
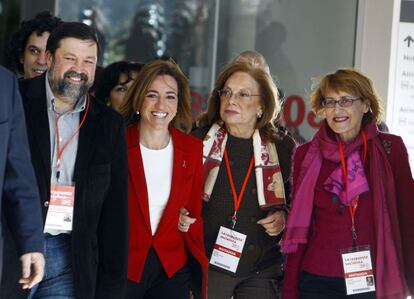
{"x":66,"y":89}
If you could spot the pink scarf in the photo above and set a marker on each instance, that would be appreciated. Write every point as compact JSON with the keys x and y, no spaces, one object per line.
{"x":356,"y":183}
{"x":390,"y":282}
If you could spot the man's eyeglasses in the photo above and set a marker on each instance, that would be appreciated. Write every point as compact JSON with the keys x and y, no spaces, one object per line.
{"x":342,"y":102}
{"x":243,"y":95}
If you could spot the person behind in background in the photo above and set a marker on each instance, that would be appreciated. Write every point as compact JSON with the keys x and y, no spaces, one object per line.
{"x":98,"y":78}
{"x":165,"y":174}
{"x":19,"y":198}
{"x":245,"y":184}
{"x":352,"y":200}
{"x":27,"y":47}
{"x":78,"y":151}
{"x":115,"y":81}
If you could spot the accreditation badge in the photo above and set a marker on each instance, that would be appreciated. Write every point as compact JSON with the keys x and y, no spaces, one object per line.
{"x":227,"y":250}
{"x":60,"y":213}
{"x":359,"y":275}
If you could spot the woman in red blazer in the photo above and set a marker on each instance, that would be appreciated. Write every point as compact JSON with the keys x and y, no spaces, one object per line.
{"x":165,"y":172}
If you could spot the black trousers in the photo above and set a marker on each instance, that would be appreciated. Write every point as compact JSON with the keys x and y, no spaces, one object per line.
{"x":320,"y":287}
{"x":265,"y":284}
{"x":155,"y":284}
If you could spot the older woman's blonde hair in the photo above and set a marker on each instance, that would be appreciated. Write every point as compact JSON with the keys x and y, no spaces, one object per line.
{"x":136,"y":94}
{"x":267,"y":90}
{"x":352,"y":82}
{"x":255,"y":58}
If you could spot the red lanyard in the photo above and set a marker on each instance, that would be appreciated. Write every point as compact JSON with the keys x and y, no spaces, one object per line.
{"x":61,"y":150}
{"x":352,"y":208}
{"x":237,"y":199}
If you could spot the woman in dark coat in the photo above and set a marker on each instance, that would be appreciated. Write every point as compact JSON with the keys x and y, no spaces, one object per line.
{"x":245,"y":184}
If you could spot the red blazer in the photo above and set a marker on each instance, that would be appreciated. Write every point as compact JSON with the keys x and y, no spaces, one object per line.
{"x":169,"y":243}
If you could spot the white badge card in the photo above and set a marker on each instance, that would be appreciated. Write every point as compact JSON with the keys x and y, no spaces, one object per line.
{"x":227,"y":250}
{"x":359,"y":276}
{"x":60,"y":213}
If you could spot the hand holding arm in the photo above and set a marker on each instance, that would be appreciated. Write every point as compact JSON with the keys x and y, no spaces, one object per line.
{"x":185,"y":221}
{"x":274,"y":223}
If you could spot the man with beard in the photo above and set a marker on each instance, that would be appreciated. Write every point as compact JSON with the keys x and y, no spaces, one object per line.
{"x":28,"y":45}
{"x":79,"y":156}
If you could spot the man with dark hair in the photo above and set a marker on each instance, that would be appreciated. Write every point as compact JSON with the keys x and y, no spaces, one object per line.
{"x":78,"y":150}
{"x":28,"y":45}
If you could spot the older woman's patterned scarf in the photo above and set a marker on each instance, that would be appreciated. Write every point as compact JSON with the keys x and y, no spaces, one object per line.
{"x":390,"y":281}
{"x":269,"y":180}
